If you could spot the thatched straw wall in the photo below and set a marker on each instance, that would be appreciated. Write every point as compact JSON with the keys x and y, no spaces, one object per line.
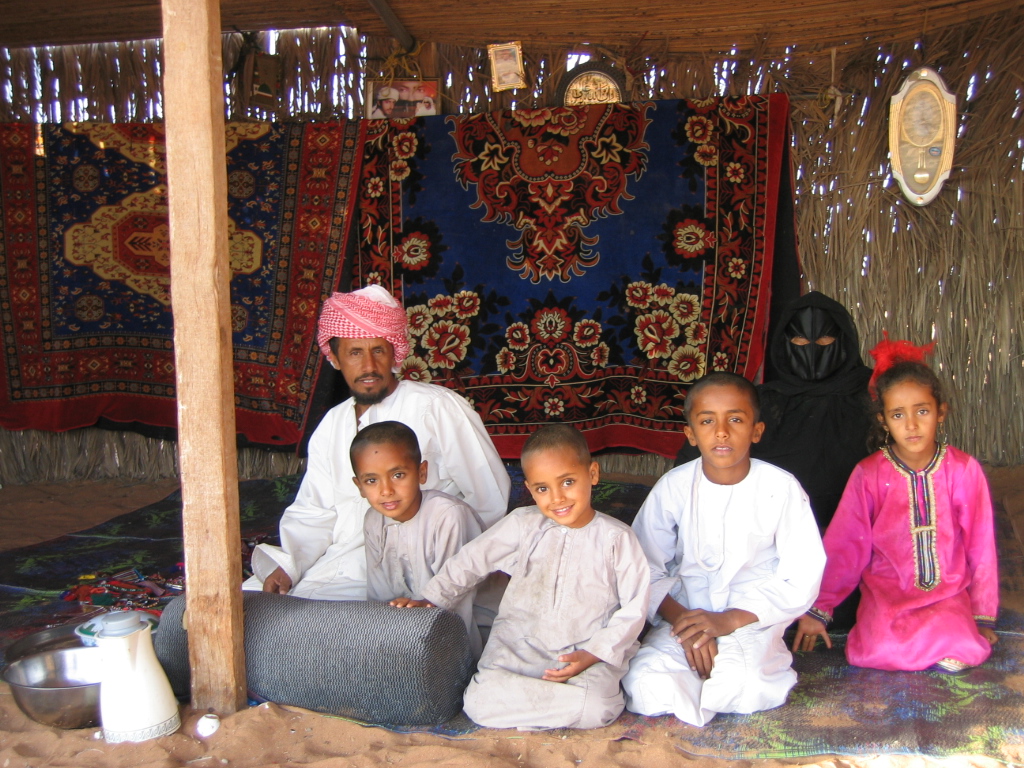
{"x":952,"y":271}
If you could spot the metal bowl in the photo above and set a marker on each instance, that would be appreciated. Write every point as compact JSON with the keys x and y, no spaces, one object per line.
{"x":59,"y":688}
{"x":50,"y":639}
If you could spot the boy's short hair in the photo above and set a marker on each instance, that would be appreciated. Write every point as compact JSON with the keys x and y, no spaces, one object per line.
{"x":557,"y":436}
{"x":385,"y":433}
{"x":723,"y":379}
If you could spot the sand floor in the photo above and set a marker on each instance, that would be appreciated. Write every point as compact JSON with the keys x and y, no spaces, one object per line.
{"x":271,"y":735}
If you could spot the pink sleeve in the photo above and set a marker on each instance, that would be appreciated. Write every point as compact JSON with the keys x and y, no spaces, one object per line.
{"x":976,"y":518}
{"x":847,"y":542}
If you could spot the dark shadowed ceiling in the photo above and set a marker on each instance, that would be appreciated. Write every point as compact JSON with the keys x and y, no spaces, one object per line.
{"x":671,"y":27}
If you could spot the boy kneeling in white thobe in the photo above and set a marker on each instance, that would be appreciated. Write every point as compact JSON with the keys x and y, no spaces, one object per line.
{"x":574,"y":606}
{"x":735,"y":557}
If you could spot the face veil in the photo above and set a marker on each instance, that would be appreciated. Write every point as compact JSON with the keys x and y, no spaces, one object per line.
{"x":816,"y":348}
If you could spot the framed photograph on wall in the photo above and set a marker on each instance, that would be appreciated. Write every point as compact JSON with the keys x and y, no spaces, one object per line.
{"x":506,"y":66}
{"x":402,"y":98}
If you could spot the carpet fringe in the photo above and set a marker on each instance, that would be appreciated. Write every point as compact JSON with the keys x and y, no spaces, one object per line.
{"x":32,"y":456}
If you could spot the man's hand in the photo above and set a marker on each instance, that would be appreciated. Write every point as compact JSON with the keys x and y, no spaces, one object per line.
{"x":989,"y":634}
{"x":578,"y":661}
{"x":279,"y":582}
{"x":408,"y":602}
{"x":807,"y":631}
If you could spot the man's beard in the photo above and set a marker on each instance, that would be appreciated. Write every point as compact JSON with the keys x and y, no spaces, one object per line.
{"x":370,"y":398}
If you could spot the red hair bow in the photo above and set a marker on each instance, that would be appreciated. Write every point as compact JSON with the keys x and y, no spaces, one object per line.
{"x":887,"y":353}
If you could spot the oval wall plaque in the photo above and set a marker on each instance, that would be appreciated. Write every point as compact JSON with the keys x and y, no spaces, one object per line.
{"x":922,"y":131}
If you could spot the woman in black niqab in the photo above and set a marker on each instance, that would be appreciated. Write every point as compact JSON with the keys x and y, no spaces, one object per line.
{"x":816,"y":409}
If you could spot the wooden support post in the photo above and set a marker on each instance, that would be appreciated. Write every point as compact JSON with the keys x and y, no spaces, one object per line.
{"x":201,"y":304}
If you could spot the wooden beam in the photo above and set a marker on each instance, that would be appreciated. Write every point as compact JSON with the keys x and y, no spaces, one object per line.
{"x":25,"y":23}
{"x":201,"y":304}
{"x":672,"y":28}
{"x":395,"y":27}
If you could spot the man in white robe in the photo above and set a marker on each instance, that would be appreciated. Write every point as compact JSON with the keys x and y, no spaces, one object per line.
{"x":364,"y":335}
{"x":755,"y":548}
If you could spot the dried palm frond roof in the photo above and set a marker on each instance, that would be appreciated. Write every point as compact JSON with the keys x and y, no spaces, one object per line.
{"x":666,"y":27}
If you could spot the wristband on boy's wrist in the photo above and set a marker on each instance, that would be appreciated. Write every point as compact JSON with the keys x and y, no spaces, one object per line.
{"x":985,"y":621}
{"x":821,"y":616}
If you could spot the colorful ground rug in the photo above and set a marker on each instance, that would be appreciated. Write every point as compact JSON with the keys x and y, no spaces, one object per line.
{"x":578,"y":264}
{"x":33,"y":578}
{"x":844,"y":710}
{"x":839,"y":709}
{"x":85,"y":277}
{"x":834,"y":708}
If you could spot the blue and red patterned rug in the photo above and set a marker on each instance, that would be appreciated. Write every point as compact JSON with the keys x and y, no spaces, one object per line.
{"x":581,"y":265}
{"x":567,"y":264}
{"x":85,"y":276}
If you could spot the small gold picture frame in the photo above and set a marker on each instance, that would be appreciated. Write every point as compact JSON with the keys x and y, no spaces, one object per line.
{"x":506,"y":66}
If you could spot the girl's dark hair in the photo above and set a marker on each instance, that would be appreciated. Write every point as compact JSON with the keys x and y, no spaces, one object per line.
{"x":919,"y":373}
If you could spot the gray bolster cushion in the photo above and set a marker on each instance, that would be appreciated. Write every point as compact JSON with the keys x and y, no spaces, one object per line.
{"x":367,"y":661}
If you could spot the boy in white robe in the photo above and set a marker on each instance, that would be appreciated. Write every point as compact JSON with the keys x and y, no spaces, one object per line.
{"x":574,"y":605}
{"x":409,"y":533}
{"x":735,"y":557}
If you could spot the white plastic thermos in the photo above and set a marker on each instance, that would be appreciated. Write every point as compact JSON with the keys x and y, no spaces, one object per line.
{"x":136,"y":700}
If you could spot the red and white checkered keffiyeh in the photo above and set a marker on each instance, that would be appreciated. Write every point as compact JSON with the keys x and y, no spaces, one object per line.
{"x":369,"y":313}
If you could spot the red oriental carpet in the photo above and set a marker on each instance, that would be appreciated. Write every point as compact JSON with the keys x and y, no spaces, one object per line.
{"x":582,"y":265}
{"x":84,"y":271}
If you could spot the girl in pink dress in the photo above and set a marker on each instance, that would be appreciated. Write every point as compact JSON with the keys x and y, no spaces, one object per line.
{"x":915,"y":530}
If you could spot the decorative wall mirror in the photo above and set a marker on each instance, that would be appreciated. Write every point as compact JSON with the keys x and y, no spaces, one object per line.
{"x":922,"y":131}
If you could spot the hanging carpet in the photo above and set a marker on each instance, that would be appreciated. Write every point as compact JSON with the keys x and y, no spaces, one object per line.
{"x":85,"y":276}
{"x":582,"y":265}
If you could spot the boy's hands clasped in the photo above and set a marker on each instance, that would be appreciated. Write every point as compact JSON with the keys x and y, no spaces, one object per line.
{"x":279,"y":581}
{"x":696,"y":630}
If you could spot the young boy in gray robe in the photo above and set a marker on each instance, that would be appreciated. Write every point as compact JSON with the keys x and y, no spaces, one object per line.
{"x":409,"y":533}
{"x":574,"y":606}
